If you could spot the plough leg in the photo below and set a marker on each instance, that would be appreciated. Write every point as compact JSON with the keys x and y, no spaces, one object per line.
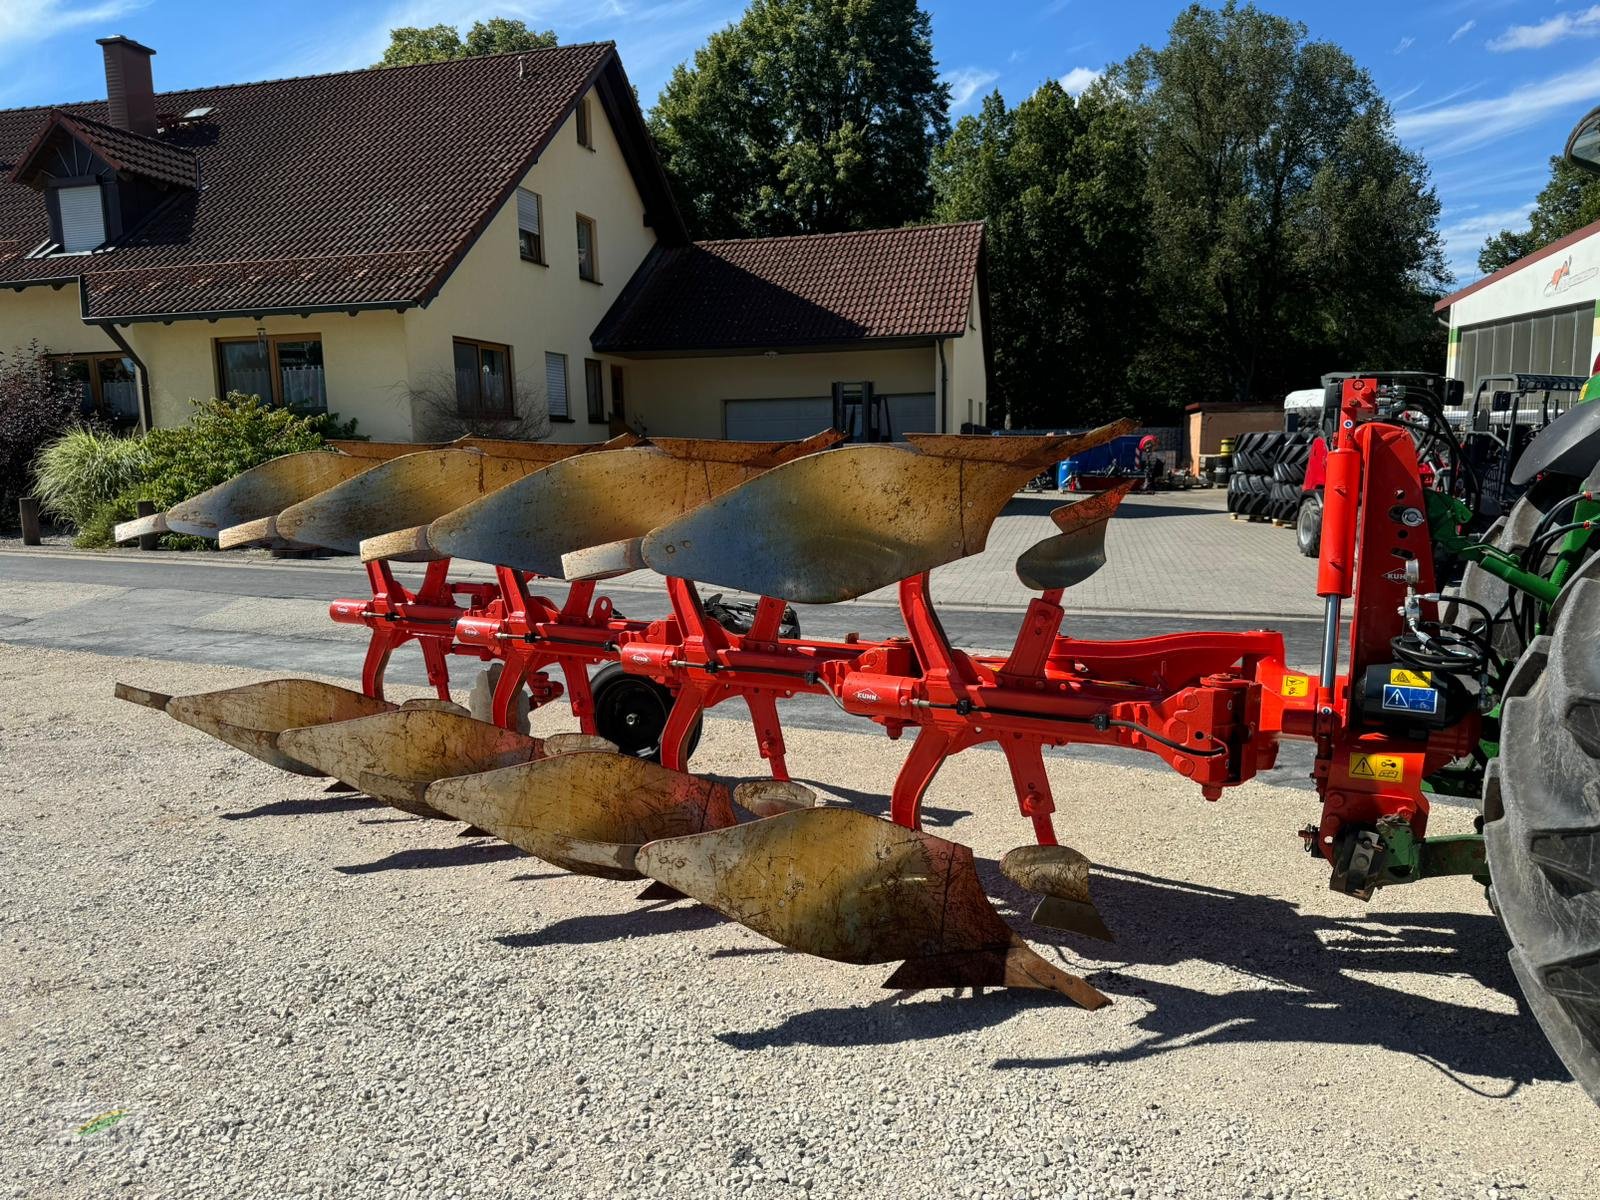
{"x":1025,"y":757}
{"x":763,"y":708}
{"x":927,"y":755}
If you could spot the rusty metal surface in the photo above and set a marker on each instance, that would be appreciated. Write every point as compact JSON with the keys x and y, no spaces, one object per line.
{"x":834,"y":526}
{"x":1079,"y":550}
{"x":251,"y":717}
{"x":1061,"y":875}
{"x":393,"y":757}
{"x":752,"y":454}
{"x":577,"y":743}
{"x":769,"y":797}
{"x":586,"y":812}
{"x":850,"y":887}
{"x":381,"y":451}
{"x":1037,"y":451}
{"x":411,"y":490}
{"x":589,"y":500}
{"x":261,"y":491}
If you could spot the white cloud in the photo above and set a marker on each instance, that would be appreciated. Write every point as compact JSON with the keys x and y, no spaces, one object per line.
{"x":1463,"y":238}
{"x":965,"y":83}
{"x":1536,"y":37}
{"x":1404,"y":44}
{"x":1462,"y":30}
{"x":40,"y":20}
{"x":1077,"y":81}
{"x":1450,"y":129}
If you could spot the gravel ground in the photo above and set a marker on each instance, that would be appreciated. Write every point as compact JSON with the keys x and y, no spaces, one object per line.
{"x":266,"y":991}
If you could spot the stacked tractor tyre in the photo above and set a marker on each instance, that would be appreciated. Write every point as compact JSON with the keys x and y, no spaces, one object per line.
{"x":1269,"y":473}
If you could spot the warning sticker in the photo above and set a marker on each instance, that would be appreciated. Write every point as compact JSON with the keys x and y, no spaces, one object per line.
{"x":1410,"y":699}
{"x":1386,"y":767}
{"x":1295,"y":685}
{"x":1403,"y":678}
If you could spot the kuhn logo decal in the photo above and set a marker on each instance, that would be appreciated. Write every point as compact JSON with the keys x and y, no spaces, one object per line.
{"x":640,"y":658}
{"x":1563,"y":278}
{"x":867,"y":696}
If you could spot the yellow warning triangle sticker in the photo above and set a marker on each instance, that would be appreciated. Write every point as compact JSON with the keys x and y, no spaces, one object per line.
{"x":1362,"y":768}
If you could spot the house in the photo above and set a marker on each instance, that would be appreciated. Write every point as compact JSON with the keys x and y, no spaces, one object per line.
{"x":1537,"y":316}
{"x":475,"y":241}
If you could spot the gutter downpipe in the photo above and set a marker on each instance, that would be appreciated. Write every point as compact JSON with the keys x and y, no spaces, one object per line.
{"x":944,"y":388}
{"x":146,"y":420}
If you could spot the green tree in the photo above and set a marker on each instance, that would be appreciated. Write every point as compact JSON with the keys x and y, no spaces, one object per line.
{"x":805,"y":116}
{"x":1290,"y":232}
{"x":1567,"y":203}
{"x":410,"y":45}
{"x":1060,"y":183}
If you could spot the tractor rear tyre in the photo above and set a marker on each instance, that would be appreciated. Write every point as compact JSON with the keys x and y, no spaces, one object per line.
{"x":1308,"y":525}
{"x":630,"y":712}
{"x":1541,"y":808}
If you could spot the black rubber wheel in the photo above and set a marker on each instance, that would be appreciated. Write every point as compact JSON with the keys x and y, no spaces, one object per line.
{"x":1308,"y":525}
{"x":1541,"y":808}
{"x":630,"y":712}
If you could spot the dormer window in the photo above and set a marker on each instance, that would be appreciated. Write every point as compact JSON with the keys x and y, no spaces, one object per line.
{"x":99,"y":181}
{"x":81,"y":212}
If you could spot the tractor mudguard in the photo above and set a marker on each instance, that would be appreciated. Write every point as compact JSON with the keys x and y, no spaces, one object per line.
{"x":1569,"y":445}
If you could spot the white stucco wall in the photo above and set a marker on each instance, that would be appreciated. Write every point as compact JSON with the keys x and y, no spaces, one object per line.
{"x":51,"y":317}
{"x":363,"y":362}
{"x":683,"y":397}
{"x":495,"y":296}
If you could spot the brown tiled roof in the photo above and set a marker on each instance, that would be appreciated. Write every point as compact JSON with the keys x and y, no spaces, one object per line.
{"x":357,"y":189}
{"x":760,"y":293}
{"x":123,"y":150}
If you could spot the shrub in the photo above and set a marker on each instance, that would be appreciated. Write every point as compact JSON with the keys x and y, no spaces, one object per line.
{"x":36,"y":404}
{"x":96,"y":482}
{"x":85,"y":469}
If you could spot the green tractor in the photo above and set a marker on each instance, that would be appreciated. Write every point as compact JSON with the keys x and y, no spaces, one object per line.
{"x":1531,"y":594}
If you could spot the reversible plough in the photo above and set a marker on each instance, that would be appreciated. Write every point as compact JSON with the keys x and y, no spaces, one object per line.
{"x":813,"y":522}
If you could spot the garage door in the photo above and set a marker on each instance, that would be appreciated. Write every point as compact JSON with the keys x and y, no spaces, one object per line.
{"x":911,"y":414}
{"x":776,"y":420}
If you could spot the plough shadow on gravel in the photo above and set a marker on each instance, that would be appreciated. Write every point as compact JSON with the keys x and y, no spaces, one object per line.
{"x":311,"y":807}
{"x":663,"y":917}
{"x":471,"y":854}
{"x":1309,"y":979}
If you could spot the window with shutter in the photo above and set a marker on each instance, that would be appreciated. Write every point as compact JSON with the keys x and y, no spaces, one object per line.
{"x":83,"y":217}
{"x":555,"y":385}
{"x":530,"y":225}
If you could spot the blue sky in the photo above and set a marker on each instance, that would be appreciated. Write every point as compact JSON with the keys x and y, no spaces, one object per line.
{"x":1485,"y":89}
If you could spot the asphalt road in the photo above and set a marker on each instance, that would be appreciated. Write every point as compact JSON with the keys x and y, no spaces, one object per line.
{"x":270,"y":614}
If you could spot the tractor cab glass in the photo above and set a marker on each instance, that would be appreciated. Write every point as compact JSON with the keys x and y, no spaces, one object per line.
{"x":1583,"y":147}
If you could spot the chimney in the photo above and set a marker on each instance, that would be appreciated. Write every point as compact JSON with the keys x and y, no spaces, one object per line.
{"x":129,"y":90}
